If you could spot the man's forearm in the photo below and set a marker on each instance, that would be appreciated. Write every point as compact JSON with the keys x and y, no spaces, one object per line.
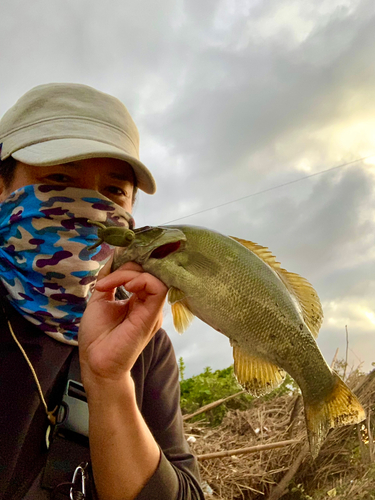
{"x":123,"y":451}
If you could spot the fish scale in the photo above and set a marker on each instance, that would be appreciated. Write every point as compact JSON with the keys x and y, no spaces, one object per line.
{"x":269,"y":315}
{"x":252,"y":307}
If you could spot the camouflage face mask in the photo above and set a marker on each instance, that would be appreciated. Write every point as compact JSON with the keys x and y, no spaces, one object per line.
{"x":45,"y":263}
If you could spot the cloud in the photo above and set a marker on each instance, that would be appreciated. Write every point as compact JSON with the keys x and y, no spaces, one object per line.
{"x":232,"y":99}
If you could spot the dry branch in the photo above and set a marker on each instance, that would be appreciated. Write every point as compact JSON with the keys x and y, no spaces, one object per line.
{"x":252,"y":476}
{"x":279,"y":490}
{"x":293,"y":417}
{"x":211,"y":405}
{"x":347,"y":351}
{"x":334,"y":359}
{"x":370,"y":436}
{"x":249,"y":449}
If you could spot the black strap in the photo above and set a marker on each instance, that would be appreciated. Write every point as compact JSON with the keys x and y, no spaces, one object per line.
{"x":67,"y":450}
{"x":64,"y":456}
{"x":75,"y":368}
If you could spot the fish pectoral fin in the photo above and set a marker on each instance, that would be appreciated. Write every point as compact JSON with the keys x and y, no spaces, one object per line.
{"x":340,"y":407}
{"x":201,"y":265}
{"x":299,"y":287}
{"x":257,"y":375}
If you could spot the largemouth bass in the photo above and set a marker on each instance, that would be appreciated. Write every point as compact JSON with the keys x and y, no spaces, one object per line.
{"x":270,"y":316}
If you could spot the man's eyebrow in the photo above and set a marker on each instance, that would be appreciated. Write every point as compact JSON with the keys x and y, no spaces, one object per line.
{"x":120,"y":176}
{"x":71,"y":164}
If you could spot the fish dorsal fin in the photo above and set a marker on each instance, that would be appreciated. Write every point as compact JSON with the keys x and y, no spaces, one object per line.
{"x":307,"y":297}
{"x":182,"y":316}
{"x":263,"y":253}
{"x":299,"y":287}
{"x":257,"y":375}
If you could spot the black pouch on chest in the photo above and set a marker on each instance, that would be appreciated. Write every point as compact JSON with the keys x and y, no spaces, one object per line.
{"x":69,"y":453}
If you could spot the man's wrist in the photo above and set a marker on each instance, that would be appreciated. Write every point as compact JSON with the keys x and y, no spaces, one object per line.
{"x":99,"y":389}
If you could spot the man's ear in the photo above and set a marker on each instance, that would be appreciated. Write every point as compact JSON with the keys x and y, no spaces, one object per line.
{"x":2,"y":190}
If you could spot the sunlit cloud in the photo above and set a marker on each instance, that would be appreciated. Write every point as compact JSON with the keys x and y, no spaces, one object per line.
{"x":348,"y":312}
{"x":370,"y":316}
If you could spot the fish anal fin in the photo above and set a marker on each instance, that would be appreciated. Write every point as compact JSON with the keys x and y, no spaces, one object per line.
{"x":257,"y":375}
{"x":341,"y":407}
{"x":182,"y":316}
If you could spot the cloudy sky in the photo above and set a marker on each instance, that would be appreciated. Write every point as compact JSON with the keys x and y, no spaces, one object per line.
{"x":240,"y":105}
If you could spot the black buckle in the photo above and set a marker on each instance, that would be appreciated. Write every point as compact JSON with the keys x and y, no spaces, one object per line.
{"x":73,"y":414}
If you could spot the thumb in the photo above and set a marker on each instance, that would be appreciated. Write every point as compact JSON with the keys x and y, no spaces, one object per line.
{"x":106,"y":269}
{"x":107,"y":294}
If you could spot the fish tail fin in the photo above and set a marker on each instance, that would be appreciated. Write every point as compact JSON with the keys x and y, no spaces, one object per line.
{"x":340,"y":407}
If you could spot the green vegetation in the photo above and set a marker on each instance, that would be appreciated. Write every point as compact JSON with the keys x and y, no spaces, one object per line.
{"x":209,"y":386}
{"x":181,"y":368}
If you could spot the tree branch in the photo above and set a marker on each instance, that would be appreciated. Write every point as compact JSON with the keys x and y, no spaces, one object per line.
{"x":211,"y":406}
{"x":250,"y":449}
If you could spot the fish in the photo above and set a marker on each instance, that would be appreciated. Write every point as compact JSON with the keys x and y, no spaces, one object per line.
{"x":271,"y":316}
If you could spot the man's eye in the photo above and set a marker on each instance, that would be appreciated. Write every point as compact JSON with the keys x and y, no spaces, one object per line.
{"x":116,"y":190}
{"x":58,"y":178}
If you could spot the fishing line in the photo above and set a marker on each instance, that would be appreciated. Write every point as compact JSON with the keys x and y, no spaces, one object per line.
{"x":271,"y":188}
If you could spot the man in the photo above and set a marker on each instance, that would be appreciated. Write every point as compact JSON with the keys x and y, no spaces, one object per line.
{"x":69,"y":156}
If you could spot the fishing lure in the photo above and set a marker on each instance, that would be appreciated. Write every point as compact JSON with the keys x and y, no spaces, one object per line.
{"x":113,"y":235}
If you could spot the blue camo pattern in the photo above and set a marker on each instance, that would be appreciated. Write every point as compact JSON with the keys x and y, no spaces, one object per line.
{"x":45,"y":263}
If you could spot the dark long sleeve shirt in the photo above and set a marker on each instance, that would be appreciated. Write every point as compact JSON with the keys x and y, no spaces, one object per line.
{"x":23,"y":421}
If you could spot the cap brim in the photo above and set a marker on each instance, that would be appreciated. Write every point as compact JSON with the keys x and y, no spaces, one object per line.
{"x":58,"y":151}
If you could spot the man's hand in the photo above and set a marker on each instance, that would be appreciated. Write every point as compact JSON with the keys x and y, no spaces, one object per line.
{"x":113,"y":333}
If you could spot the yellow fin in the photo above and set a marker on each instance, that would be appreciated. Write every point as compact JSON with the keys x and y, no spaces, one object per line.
{"x":182,"y":316}
{"x":175,"y":295}
{"x":299,"y":287}
{"x":255,"y":374}
{"x":340,"y":408}
{"x":307,"y":297}
{"x":263,"y":253}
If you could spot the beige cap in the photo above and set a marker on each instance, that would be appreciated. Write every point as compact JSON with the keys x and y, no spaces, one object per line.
{"x":62,"y":122}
